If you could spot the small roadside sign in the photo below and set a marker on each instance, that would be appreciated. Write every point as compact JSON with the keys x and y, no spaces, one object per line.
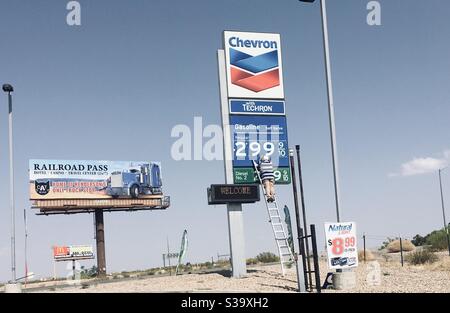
{"x":341,"y":245}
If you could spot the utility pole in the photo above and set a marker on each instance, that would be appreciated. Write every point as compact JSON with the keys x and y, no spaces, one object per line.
{"x":401,"y":251}
{"x":168,"y":256}
{"x":364,"y":246}
{"x":26,"y":245}
{"x":443,"y":211}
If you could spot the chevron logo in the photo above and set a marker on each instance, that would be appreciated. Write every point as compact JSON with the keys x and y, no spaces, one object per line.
{"x":255,"y":73}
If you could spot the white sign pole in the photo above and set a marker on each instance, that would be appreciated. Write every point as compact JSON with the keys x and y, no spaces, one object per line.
{"x":330,"y":107}
{"x":234,"y":210}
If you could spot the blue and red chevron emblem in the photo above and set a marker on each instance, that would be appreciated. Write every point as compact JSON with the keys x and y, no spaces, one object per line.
{"x":256,"y":73}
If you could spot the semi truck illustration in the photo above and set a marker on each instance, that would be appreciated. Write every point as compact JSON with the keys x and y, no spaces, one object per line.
{"x":142,"y":180}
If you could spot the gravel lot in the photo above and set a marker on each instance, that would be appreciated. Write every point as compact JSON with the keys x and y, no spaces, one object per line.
{"x":393,"y":278}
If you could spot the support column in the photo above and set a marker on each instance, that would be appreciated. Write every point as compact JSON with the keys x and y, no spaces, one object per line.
{"x":74,"y":277}
{"x":100,"y":238}
{"x":234,"y":210}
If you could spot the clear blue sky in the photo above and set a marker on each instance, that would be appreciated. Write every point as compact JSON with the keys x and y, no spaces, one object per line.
{"x":114,"y":87}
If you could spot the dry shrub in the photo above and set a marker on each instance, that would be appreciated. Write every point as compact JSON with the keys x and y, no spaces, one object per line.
{"x":442,"y":264}
{"x":267,"y":257}
{"x":394,"y":246}
{"x":369,"y":256}
{"x":421,"y":257}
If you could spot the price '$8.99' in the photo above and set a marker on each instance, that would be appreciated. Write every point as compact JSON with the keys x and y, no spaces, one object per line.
{"x":340,"y":245}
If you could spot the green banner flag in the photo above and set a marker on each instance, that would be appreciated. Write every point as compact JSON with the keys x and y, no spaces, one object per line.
{"x":287,"y":220}
{"x":183,"y":249}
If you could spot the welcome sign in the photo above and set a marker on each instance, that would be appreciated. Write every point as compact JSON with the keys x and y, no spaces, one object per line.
{"x":254,"y":68}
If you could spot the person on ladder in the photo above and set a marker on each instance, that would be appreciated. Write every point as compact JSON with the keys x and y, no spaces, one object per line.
{"x":265,"y":169}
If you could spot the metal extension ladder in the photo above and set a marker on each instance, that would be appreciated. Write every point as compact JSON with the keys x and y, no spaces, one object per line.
{"x":281,"y":238}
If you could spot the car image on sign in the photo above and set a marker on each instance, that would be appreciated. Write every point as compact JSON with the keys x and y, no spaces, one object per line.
{"x":342,"y":261}
{"x":336,"y":261}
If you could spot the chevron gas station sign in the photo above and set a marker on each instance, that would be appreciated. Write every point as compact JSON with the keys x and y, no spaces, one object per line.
{"x":257,"y":115}
{"x":253,"y":62}
{"x":254,"y":120}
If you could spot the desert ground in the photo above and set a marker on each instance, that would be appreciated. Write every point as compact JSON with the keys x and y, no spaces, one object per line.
{"x":391,"y":278}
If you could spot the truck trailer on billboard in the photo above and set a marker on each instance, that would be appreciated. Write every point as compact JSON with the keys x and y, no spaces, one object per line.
{"x":71,"y":179}
{"x":67,"y":253}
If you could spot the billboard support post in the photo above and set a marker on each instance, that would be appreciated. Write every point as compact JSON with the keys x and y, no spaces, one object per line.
{"x":54,"y":271}
{"x":100,"y":240}
{"x":73,"y":270}
{"x":234,"y":210}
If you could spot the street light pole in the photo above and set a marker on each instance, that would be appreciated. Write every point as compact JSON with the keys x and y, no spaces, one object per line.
{"x":8,"y":89}
{"x":443,"y":211}
{"x":326,"y":48}
{"x":330,"y":106}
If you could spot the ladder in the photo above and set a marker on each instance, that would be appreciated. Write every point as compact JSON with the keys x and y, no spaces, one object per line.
{"x":281,"y":238}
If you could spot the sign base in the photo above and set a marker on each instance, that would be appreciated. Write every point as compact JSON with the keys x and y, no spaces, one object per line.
{"x":13,"y":288}
{"x":344,"y":280}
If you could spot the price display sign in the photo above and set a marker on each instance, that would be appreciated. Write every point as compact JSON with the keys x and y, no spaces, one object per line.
{"x":254,"y":136}
{"x":341,"y":245}
{"x":247,"y":175}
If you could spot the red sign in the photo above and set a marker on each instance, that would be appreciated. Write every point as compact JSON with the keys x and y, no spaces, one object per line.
{"x":60,"y":252}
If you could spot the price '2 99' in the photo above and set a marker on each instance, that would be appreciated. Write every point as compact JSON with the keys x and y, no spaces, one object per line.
{"x":254,"y":148}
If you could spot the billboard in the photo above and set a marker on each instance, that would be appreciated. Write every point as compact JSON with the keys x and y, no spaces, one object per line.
{"x":341,"y":245}
{"x":82,"y":179}
{"x":253,"y":65}
{"x":66,"y":253}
